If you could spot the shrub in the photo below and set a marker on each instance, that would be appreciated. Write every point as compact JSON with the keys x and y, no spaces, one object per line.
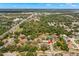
{"x":62,"y":44}
{"x":4,"y":50}
{"x":1,"y":43}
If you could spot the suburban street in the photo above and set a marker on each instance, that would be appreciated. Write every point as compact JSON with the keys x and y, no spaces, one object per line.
{"x":16,"y":26}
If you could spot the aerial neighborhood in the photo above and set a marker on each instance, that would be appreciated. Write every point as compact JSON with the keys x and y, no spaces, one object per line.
{"x":39,"y":34}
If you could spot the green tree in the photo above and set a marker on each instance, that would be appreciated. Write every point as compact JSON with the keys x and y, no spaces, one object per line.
{"x":62,"y":44}
{"x":1,"y":43}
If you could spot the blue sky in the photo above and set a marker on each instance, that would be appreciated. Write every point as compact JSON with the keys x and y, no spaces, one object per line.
{"x":41,"y":5}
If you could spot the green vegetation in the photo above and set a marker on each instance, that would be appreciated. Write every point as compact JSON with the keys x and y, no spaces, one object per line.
{"x":61,"y":44}
{"x":1,"y":54}
{"x":3,"y":50}
{"x":32,"y":30}
{"x":31,"y":54}
{"x":5,"y":25}
{"x":77,"y":41}
{"x":7,"y":20}
{"x":27,"y":47}
{"x":1,"y":43}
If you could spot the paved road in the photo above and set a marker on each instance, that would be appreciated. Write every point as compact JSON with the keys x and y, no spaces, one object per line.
{"x":14,"y":28}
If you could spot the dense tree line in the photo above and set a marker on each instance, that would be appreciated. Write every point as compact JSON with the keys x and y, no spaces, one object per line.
{"x":34,"y":28}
